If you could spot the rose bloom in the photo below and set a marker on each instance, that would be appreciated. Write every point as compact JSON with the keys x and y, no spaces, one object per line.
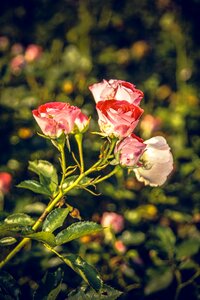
{"x":116,"y":89}
{"x":129,"y":150}
{"x":157,"y":162}
{"x":118,"y":118}
{"x":33,"y":52}
{"x":54,"y":118}
{"x":113,"y":220}
{"x":5,"y":182}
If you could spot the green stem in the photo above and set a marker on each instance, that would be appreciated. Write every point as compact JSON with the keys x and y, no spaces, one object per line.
{"x":63,"y":164}
{"x":59,"y":196}
{"x":114,"y":171}
{"x":79,"y":140}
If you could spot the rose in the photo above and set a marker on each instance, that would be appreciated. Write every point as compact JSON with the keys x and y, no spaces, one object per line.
{"x":55,"y":118}
{"x":113,"y":220}
{"x":117,"y":90}
{"x":157,"y":162}
{"x":117,"y":118}
{"x":129,"y":150}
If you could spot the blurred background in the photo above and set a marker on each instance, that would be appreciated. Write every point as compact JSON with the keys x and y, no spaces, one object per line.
{"x":52,"y":51}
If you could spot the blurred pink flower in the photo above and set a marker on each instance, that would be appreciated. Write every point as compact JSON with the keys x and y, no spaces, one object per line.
{"x":118,"y":118}
{"x":113,"y":220}
{"x":33,"y":52}
{"x":149,"y":124}
{"x":119,"y":246}
{"x":116,"y":90}
{"x":5,"y":182}
{"x":17,"y":64}
{"x":157,"y":162}
{"x":54,"y":118}
{"x":129,"y":150}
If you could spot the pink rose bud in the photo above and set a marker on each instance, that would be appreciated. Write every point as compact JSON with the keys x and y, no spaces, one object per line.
{"x":55,"y":118}
{"x":113,"y":220}
{"x":157,"y":162}
{"x":120,"y":247}
{"x":33,"y":52}
{"x":129,"y":150}
{"x":17,"y":64}
{"x":116,"y":89}
{"x":118,"y":118}
{"x":5,"y":182}
{"x":82,"y":122}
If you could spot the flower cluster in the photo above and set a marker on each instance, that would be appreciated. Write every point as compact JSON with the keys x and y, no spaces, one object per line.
{"x":119,"y":111}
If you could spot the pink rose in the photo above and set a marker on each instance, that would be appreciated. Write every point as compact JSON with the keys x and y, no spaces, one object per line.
{"x":33,"y":52}
{"x":54,"y":118}
{"x":117,"y":90}
{"x":157,"y":162}
{"x":118,"y":118}
{"x":5,"y":182}
{"x":113,"y":220}
{"x":129,"y":150}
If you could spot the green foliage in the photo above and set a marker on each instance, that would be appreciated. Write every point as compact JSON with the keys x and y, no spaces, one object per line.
{"x":106,"y":292}
{"x":35,"y":187}
{"x":19,"y":218}
{"x":155,"y":46}
{"x":55,"y":219}
{"x":46,"y":172}
{"x":44,"y":237}
{"x":50,"y":286}
{"x":158,"y":280}
{"x":8,"y":287}
{"x":77,"y":230}
{"x":85,"y":270}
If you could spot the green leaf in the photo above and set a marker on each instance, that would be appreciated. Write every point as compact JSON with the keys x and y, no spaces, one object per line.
{"x":50,"y":286}
{"x":167,"y":239}
{"x":55,"y":219}
{"x":46,"y":172}
{"x":19,"y":218}
{"x":44,"y":237}
{"x":87,"y":293}
{"x":34,"y":186}
{"x":9,"y":289}
{"x":187,"y":248}
{"x":14,"y":229}
{"x":159,"y":280}
{"x":7,"y":241}
{"x":77,"y":230}
{"x":85,"y":270}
